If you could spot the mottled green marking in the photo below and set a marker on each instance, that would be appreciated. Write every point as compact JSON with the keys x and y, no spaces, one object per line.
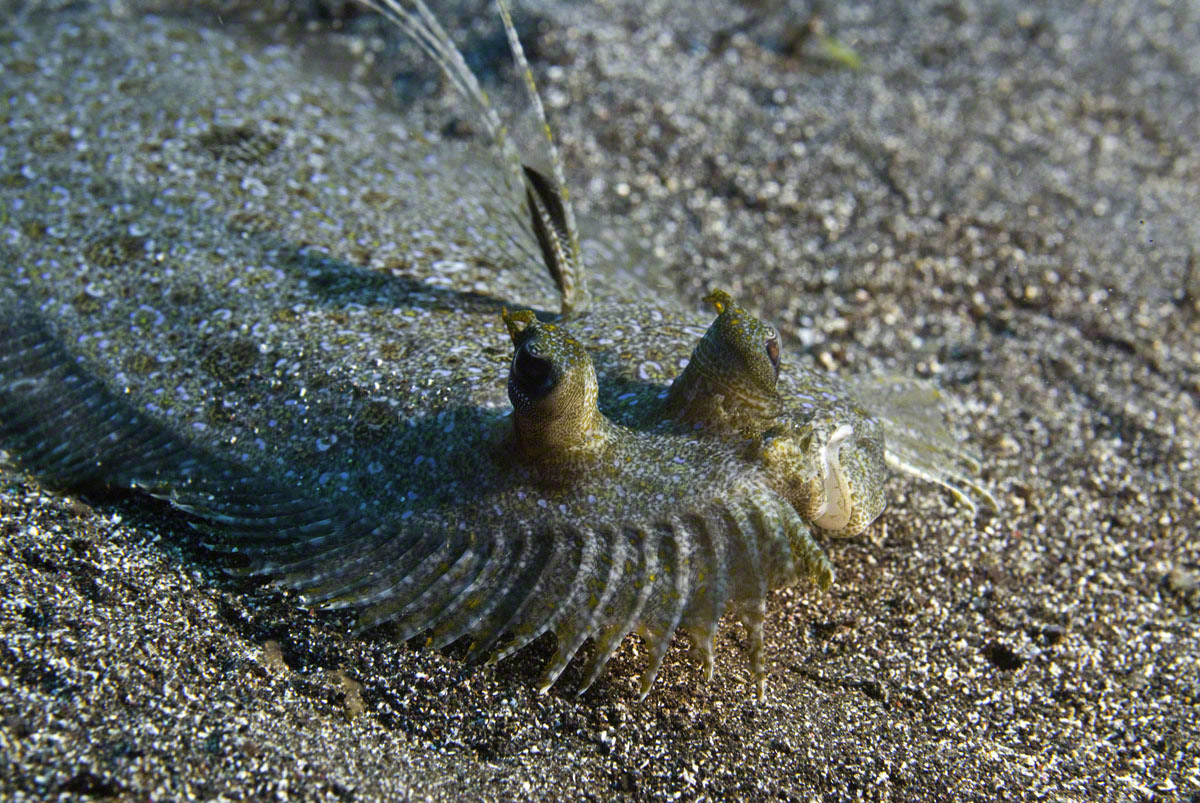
{"x":728,"y":386}
{"x":279,"y":308}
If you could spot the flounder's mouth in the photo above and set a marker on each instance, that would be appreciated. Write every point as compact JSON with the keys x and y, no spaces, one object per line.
{"x":834,"y":514}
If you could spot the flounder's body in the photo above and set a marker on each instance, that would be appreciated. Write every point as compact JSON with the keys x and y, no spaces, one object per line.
{"x":298,"y":300}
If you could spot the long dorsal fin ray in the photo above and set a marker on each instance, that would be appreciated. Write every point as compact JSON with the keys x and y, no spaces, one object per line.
{"x":551,"y":215}
{"x":570,"y":274}
{"x":549,"y":226}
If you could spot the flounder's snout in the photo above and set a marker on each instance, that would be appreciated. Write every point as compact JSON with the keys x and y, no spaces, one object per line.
{"x":831,"y":471}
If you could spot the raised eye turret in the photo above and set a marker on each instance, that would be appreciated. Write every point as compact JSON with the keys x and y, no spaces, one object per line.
{"x":821,"y":451}
{"x":728,"y":386}
{"x":552,"y":387}
{"x":531,"y":374}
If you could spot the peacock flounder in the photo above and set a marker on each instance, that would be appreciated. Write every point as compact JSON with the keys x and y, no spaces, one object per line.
{"x":242,"y":288}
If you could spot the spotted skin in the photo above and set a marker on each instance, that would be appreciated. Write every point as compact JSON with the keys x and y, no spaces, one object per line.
{"x":728,"y":386}
{"x":287,"y":320}
{"x":819,"y":448}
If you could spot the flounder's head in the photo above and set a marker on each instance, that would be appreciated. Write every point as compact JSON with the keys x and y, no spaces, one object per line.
{"x":553,"y":389}
{"x":826,"y":456}
{"x":729,"y":383}
{"x":626,"y":530}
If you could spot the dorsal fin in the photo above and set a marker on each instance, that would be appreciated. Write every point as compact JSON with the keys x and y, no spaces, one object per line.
{"x":550,"y":213}
{"x":550,"y":228}
{"x":570,"y":273}
{"x":428,"y":34}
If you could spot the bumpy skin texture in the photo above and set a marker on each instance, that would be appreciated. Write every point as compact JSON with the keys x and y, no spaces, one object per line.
{"x":821,"y":450}
{"x":728,"y":386}
{"x":553,"y":389}
{"x":326,"y":390}
{"x":556,"y":540}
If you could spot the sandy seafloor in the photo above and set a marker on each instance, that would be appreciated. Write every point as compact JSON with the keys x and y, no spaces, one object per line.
{"x":1004,"y":198}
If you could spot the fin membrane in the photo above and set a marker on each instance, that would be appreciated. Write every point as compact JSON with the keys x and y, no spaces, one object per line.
{"x":549,"y":208}
{"x":916,"y":439}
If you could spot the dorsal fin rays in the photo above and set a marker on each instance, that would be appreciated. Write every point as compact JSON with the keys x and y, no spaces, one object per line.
{"x":549,"y":226}
{"x":428,"y":34}
{"x":419,"y":24}
{"x":569,"y":274}
{"x":551,"y":215}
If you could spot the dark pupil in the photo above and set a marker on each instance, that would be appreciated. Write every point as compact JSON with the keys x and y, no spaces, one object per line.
{"x":773,"y":353}
{"x":532,"y":372}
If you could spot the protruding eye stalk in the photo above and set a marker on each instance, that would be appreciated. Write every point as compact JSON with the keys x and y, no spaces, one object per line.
{"x":531,"y":377}
{"x":728,"y":386}
{"x":829,"y":470}
{"x":553,"y":390}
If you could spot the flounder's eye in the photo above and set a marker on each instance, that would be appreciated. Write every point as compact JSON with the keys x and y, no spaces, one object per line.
{"x":773,"y":352}
{"x":534,"y":374}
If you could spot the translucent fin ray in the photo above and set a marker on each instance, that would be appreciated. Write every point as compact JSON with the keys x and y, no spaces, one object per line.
{"x":569,"y":273}
{"x":548,"y":205}
{"x":916,"y":439}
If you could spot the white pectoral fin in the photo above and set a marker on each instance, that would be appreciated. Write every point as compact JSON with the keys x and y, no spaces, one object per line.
{"x":835,"y":513}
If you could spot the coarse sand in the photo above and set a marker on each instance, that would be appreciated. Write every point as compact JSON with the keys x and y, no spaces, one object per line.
{"x":1001,"y":198}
